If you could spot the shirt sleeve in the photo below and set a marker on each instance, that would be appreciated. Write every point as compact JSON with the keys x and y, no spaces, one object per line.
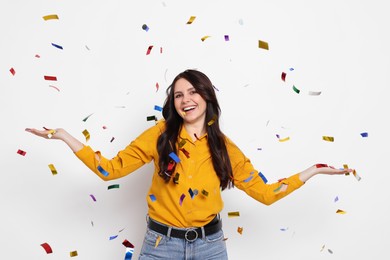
{"x":140,"y":151}
{"x":248,"y":179}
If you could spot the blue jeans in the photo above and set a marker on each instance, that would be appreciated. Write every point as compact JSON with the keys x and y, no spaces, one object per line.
{"x":172,"y":248}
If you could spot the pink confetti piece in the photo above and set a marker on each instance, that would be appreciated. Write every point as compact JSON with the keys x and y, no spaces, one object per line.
{"x":51,"y":86}
{"x":149,"y":49}
{"x":157,"y":86}
{"x":37,"y":56}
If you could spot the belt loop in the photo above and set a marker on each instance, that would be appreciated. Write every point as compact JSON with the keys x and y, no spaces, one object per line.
{"x":169,"y":231}
{"x":203,"y":233}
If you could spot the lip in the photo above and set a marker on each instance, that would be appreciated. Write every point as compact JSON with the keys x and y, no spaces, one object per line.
{"x":188,"y":111}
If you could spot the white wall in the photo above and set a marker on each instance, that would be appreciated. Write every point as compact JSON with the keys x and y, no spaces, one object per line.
{"x":337,"y":47}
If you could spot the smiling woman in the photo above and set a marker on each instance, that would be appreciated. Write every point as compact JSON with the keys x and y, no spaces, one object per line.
{"x":194,"y":161}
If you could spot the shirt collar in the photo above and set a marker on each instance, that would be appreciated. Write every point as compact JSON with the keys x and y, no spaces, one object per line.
{"x":183,"y":134}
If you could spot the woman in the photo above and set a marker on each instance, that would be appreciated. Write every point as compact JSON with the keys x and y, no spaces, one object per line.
{"x":194,"y":161}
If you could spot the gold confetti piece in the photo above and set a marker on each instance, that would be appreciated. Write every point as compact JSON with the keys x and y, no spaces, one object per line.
{"x":328,"y":138}
{"x":339,"y":211}
{"x":212,"y":121}
{"x":204,"y":38}
{"x":346,"y":167}
{"x":263,"y":45}
{"x":322,"y":248}
{"x":73,"y":253}
{"x":157,"y":241}
{"x":205,"y":193}
{"x":240,"y":229}
{"x":86,"y":134}
{"x":52,"y":169}
{"x":50,"y":17}
{"x":192,"y":18}
{"x":233,"y":214}
{"x":284,"y":139}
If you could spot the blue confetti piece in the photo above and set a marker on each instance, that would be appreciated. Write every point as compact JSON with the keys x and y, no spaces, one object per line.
{"x":152,"y":197}
{"x":192,"y":194}
{"x":158,"y":108}
{"x":174,"y":157}
{"x":129,"y":253}
{"x":365,"y":134}
{"x":248,"y":179}
{"x":263,"y":177}
{"x":102,"y":171}
{"x":113,"y":237}
{"x":57,"y":46}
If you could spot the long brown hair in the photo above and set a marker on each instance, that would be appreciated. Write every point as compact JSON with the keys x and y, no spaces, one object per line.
{"x":173,"y":122}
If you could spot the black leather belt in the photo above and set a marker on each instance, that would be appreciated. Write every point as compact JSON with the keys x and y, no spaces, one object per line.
{"x":189,"y":234}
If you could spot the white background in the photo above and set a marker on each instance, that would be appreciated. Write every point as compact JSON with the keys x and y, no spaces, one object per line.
{"x":340,"y":48}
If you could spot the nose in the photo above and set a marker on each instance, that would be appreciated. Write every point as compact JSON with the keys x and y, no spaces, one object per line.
{"x":185,"y":99}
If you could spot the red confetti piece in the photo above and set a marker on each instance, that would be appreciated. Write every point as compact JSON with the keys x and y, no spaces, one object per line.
{"x":12,"y":71}
{"x":37,"y":56}
{"x":104,"y":127}
{"x":284,"y":76}
{"x":47,"y":248}
{"x":149,"y":49}
{"x":186,"y":153}
{"x":21,"y":152}
{"x":126,"y":243}
{"x":160,"y":49}
{"x":53,"y":78}
{"x":320,"y":165}
{"x":157,"y":86}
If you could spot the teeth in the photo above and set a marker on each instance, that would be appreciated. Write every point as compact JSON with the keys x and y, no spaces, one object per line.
{"x":188,"y":108}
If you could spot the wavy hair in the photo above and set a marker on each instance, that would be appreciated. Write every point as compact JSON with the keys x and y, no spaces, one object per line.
{"x":167,"y":142}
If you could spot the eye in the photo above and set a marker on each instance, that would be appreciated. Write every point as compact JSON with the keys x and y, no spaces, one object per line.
{"x":178,"y":95}
{"x":192,"y":92}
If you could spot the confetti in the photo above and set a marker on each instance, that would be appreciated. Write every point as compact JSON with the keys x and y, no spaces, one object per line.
{"x":152,"y":197}
{"x":126,"y":243}
{"x":182,"y":143}
{"x":113,"y":237}
{"x":158,"y":108}
{"x":356,"y":175}
{"x":157,"y":86}
{"x":192,"y":18}
{"x":364,"y":134}
{"x":174,"y":157}
{"x":176,"y":178}
{"x":129,"y":253}
{"x":113,"y":186}
{"x":37,"y":56}
{"x":186,"y":153}
{"x":192,"y":194}
{"x":336,"y":199}
{"x":291,"y":69}
{"x":339,"y":211}
{"x":87,"y":47}
{"x":51,"y":86}
{"x":240,"y":229}
{"x":241,"y":21}
{"x":284,"y":76}
{"x":150,"y":118}
{"x":212,"y":121}
{"x":149,"y":49}
{"x":205,"y":37}
{"x":161,"y":49}
{"x":93,"y":197}
{"x":322,"y":248}
{"x":57,"y":46}
{"x":321,"y":165}
{"x":104,"y":127}
{"x":263,"y":45}
{"x":284,"y":139}
{"x":52,"y":169}
{"x":86,"y":134}
{"x":205,"y":193}
{"x":248,"y":179}
{"x":145,"y":27}
{"x":12,"y":70}
{"x":296,"y":90}
{"x":215,"y":88}
{"x":182,"y":198}
{"x":315,"y":93}
{"x":50,"y":17}
{"x":233,"y":214}
{"x":330,"y":251}
{"x":328,"y":138}
{"x":52,"y":78}
{"x":112,"y":139}
{"x":21,"y":152}
{"x":73,"y":253}
{"x":102,"y":171}
{"x":227,"y":38}
{"x":263,"y":177}
{"x":85,"y":119}
{"x":157,"y":241}
{"x":283,"y":229}
{"x":278,"y":189}
{"x":47,"y":248}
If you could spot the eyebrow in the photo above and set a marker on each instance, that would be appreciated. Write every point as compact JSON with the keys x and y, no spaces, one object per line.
{"x":182,"y":92}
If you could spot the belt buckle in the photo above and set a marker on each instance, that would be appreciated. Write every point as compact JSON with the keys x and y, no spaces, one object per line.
{"x":186,"y":235}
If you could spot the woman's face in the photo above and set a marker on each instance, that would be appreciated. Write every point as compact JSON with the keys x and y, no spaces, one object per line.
{"x":188,"y":103}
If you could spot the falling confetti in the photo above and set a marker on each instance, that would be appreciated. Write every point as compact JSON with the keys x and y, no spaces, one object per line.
{"x":73,"y":254}
{"x":50,"y":17}
{"x":182,"y":198}
{"x":85,"y":119}
{"x":328,"y":138}
{"x":112,"y":139}
{"x":209,"y":123}
{"x":240,"y":229}
{"x":53,"y":169}
{"x":315,"y":93}
{"x":339,"y":211}
{"x":150,"y":118}
{"x":157,"y":86}
{"x":158,"y":108}
{"x":284,"y":139}
{"x":356,"y":175}
{"x":126,"y":243}
{"x":47,"y":248}
{"x":192,"y":18}
{"x":227,"y":38}
{"x":12,"y":70}
{"x":57,"y":46}
{"x":176,"y":178}
{"x":102,"y":171}
{"x":174,"y":157}
{"x":93,"y":197}
{"x":152,"y":197}
{"x":129,"y":253}
{"x":336,"y":199}
{"x":157,"y":241}
{"x":205,"y":37}
{"x":51,"y":86}
{"x":149,"y":49}
{"x":113,"y":186}
{"x":364,"y":134}
{"x":296,"y":90}
{"x":21,"y":152}
{"x":52,"y":78}
{"x":263,"y":177}
{"x":233,"y":214}
{"x":113,"y":237}
{"x":284,"y":76}
{"x":145,"y":27}
{"x":205,"y":193}
{"x":86,"y":134}
{"x":263,"y":45}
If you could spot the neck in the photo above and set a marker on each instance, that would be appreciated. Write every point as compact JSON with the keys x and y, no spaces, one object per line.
{"x":195,"y":129}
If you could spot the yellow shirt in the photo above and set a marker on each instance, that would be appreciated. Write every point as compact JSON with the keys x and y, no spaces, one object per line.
{"x":196,"y":199}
